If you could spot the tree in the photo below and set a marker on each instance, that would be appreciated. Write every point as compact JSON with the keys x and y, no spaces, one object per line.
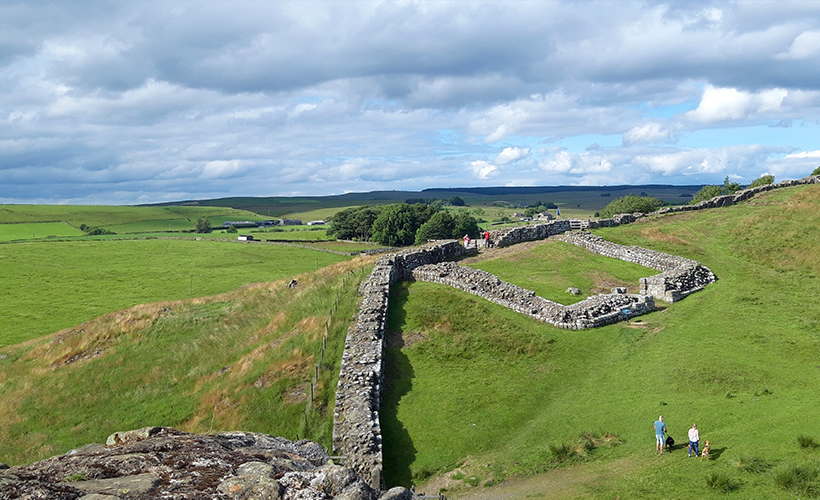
{"x":354,"y":223}
{"x":730,"y":187}
{"x":762,"y":181}
{"x":816,"y":171}
{"x":231,"y":229}
{"x":465,"y":224}
{"x":707,"y":193}
{"x":397,"y":224}
{"x":456,"y":201}
{"x":203,"y":226}
{"x":631,"y":204}
{"x":441,"y":226}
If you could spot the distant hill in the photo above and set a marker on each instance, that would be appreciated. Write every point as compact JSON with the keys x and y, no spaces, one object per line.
{"x":583,"y":197}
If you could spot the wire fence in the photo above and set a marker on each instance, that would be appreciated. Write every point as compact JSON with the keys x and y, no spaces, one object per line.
{"x":318,"y":368}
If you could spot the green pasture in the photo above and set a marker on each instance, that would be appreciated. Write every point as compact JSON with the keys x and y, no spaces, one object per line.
{"x":241,"y":360}
{"x":53,"y":285}
{"x":481,"y":394}
{"x":124,"y":219}
{"x":551,"y":267}
{"x":34,"y":230}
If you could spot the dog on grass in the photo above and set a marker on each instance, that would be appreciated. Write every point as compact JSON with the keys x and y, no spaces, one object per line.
{"x":705,"y":452}
{"x":670,"y":443}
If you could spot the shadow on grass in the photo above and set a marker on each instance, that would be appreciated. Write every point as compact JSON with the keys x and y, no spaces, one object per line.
{"x":397,"y":445}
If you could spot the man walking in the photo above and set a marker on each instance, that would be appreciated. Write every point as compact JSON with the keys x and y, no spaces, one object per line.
{"x":660,"y":428}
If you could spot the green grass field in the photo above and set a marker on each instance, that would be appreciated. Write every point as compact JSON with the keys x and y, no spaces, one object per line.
{"x":240,"y":360}
{"x":486,"y":396}
{"x":120,"y":219}
{"x":35,"y":230}
{"x":53,"y":285}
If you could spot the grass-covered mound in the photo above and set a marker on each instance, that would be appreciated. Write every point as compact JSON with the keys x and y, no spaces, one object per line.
{"x":48,"y":286}
{"x":241,"y":360}
{"x":478,"y":394}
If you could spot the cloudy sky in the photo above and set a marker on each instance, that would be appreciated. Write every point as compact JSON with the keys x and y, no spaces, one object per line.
{"x":138,"y":102}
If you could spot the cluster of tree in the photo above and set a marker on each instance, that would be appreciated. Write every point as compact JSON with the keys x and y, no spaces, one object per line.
{"x":203,"y":226}
{"x":816,"y":171}
{"x":436,"y":202}
{"x":400,"y":224}
{"x":728,"y":187}
{"x":631,"y":204}
{"x":94,"y":231}
{"x":541,"y":206}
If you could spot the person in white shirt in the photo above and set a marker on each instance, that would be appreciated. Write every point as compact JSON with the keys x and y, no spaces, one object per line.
{"x":694,"y":439}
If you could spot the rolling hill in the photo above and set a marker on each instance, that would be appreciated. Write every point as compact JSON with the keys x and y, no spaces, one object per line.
{"x":480,"y":401}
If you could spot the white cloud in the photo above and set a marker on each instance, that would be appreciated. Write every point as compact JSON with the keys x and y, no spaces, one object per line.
{"x":726,"y":104}
{"x":805,"y":154}
{"x":646,"y":134}
{"x":511,"y":154}
{"x":806,"y":45}
{"x":483,"y":170}
{"x":220,"y":169}
{"x":721,"y":104}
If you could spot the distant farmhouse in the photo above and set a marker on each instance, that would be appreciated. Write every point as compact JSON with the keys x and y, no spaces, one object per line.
{"x":245,"y":237}
{"x":239,"y":223}
{"x":316,"y":223}
{"x":290,"y":222}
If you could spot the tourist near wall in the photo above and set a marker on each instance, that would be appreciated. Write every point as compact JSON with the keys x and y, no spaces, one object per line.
{"x":356,"y":428}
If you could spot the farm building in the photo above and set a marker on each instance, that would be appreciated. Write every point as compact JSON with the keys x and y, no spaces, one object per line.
{"x":245,"y":237}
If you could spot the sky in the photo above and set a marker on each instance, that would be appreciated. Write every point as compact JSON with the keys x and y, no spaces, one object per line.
{"x":129,"y":102}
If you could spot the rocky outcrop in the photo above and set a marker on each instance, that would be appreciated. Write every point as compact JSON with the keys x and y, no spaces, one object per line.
{"x":592,"y":312}
{"x":160,"y":462}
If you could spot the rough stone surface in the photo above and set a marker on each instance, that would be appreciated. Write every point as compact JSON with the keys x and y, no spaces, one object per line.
{"x":397,"y":493}
{"x":170,"y":464}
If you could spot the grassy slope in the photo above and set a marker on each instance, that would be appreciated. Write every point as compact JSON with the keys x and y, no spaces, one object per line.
{"x":120,"y":219}
{"x":495,"y":389}
{"x":53,"y":285}
{"x":241,"y":360}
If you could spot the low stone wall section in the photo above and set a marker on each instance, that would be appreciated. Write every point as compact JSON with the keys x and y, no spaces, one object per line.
{"x":593,"y":312}
{"x":356,"y":428}
{"x":731,"y":199}
{"x":680,"y":276}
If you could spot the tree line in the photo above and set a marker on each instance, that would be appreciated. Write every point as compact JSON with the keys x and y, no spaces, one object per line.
{"x":401,"y":224}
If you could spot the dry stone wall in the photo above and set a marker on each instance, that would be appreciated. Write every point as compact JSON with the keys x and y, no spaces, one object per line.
{"x":680,"y":276}
{"x":356,"y":428}
{"x":731,"y":199}
{"x":592,"y":312}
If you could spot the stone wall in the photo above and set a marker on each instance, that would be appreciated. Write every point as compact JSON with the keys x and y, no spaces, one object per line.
{"x":592,"y":312}
{"x":731,"y":199}
{"x":680,"y":276}
{"x":356,"y":428}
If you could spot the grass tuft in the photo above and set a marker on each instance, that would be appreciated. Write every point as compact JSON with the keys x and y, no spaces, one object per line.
{"x":798,"y":479}
{"x":807,"y":442}
{"x":755,"y":465}
{"x":720,"y":482}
